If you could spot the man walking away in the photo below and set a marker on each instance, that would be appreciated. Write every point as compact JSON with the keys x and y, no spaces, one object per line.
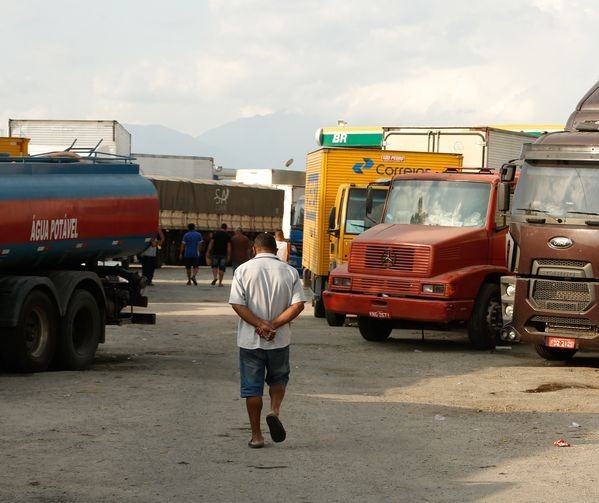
{"x":240,"y":248}
{"x":190,"y":253}
{"x":149,"y":257}
{"x":283,"y":247}
{"x":219,"y":251}
{"x":267,"y":295}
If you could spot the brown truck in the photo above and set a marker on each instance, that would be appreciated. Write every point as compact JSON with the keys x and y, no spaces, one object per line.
{"x":552,"y":300}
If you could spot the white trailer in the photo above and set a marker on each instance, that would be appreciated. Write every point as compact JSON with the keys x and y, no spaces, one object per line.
{"x":55,"y":135}
{"x":482,"y":146}
{"x":290,"y":181}
{"x":180,"y":166}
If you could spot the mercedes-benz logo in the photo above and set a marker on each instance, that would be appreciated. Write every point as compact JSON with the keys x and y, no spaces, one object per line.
{"x":387,"y":259}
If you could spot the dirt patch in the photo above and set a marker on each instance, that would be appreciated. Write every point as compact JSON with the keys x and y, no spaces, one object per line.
{"x":554,"y":386}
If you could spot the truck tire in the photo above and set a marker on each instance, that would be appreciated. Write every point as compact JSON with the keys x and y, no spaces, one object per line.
{"x":30,"y":346}
{"x":80,"y":332}
{"x":374,"y":329}
{"x":334,"y":319}
{"x":485,"y":324}
{"x":319,"y":310}
{"x":306,"y":278}
{"x":554,"y":354}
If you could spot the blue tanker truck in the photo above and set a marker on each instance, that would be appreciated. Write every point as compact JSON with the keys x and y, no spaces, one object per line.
{"x":63,"y":218}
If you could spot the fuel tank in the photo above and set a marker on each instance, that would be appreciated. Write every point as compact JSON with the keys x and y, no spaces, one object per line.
{"x":61,"y":213}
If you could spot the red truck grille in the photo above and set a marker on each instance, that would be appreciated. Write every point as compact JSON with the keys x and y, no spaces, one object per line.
{"x":403,"y":258}
{"x":390,"y":286}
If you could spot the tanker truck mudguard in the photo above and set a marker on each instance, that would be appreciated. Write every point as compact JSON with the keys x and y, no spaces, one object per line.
{"x":64,"y":220}
{"x":434,"y":261}
{"x":552,"y":299}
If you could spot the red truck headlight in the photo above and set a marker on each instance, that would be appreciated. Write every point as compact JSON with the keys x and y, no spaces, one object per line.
{"x":433,"y":288}
{"x":342,"y":281}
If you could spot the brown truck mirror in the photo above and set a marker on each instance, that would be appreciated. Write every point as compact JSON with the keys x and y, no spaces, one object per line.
{"x":508,"y":172}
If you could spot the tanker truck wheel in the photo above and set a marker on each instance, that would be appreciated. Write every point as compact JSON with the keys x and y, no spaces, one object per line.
{"x":30,"y":346}
{"x":554,"y":354}
{"x":374,"y":329}
{"x":485,"y":323}
{"x":80,"y":332}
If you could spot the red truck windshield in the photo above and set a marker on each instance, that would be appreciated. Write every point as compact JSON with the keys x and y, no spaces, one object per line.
{"x":557,"y":189}
{"x":438,"y":202}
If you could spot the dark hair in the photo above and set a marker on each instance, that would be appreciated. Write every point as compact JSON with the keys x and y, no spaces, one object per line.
{"x":266,"y":242}
{"x":191,"y":227}
{"x":223,"y":226}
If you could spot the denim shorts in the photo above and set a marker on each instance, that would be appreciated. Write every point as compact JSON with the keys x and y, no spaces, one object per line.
{"x":257,"y":366}
{"x":219,"y":262}
{"x":190,"y":262}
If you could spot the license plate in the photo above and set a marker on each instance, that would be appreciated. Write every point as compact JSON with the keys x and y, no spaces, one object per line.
{"x":379,"y":314}
{"x":561,"y":342}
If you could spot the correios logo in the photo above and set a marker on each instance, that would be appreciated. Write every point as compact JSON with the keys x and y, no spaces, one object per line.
{"x":384,"y":170}
{"x":359,"y":166}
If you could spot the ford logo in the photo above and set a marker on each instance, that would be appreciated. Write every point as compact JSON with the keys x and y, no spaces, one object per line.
{"x":560,"y":242}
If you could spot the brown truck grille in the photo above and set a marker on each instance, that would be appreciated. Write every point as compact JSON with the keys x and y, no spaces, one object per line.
{"x":390,"y":286}
{"x":403,"y":258}
{"x":562,"y":295}
{"x":562,"y":268}
{"x":561,"y":263}
{"x":576,"y":327}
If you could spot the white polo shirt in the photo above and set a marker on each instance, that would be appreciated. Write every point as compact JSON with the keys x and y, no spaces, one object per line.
{"x":267,"y":287}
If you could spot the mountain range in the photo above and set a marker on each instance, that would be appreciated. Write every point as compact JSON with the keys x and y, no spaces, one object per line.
{"x":265,"y":141}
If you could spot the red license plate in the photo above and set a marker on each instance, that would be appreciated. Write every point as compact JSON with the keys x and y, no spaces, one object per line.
{"x":561,"y":342}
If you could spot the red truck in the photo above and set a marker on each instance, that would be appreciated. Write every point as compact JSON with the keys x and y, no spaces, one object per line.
{"x":434,"y":261}
{"x":63,"y":219}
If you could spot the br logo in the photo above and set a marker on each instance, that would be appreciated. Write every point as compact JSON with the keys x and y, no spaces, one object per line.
{"x":359,"y":166}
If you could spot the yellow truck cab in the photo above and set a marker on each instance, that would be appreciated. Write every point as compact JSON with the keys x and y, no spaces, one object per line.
{"x":347,"y":218}
{"x":329,"y":168}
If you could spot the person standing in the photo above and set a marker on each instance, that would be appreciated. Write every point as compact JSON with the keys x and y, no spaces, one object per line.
{"x":283,"y":247}
{"x":219,"y":251}
{"x":240,"y":248}
{"x":267,"y":295}
{"x":190,"y":253}
{"x":149,"y":257}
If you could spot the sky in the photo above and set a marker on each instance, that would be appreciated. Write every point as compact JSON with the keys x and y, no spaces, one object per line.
{"x":194,"y":65}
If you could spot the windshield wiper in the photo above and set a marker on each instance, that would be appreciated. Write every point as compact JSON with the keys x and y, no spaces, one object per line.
{"x":533,"y":210}
{"x":593,"y":223}
{"x":584,"y":213}
{"x":538,"y":220}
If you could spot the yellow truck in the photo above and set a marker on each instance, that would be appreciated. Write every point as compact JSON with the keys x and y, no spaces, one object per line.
{"x":14,"y":147}
{"x":338,"y":177}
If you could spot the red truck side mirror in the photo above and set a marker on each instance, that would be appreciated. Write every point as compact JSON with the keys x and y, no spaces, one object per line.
{"x":503,"y":196}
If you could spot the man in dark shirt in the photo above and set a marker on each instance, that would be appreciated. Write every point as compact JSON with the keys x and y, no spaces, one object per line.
{"x":219,"y":251}
{"x":240,"y":248}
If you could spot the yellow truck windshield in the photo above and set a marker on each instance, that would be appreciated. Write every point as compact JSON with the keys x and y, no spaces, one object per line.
{"x":356,"y":221}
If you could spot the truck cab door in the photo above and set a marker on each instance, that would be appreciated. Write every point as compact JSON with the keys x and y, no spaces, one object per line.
{"x":335,"y":228}
{"x":500,"y":221}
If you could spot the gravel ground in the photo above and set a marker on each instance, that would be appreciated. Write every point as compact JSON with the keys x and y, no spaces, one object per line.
{"x":158,"y":417}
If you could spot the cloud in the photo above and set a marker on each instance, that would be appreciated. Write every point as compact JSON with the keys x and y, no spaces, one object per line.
{"x":197,"y":65}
